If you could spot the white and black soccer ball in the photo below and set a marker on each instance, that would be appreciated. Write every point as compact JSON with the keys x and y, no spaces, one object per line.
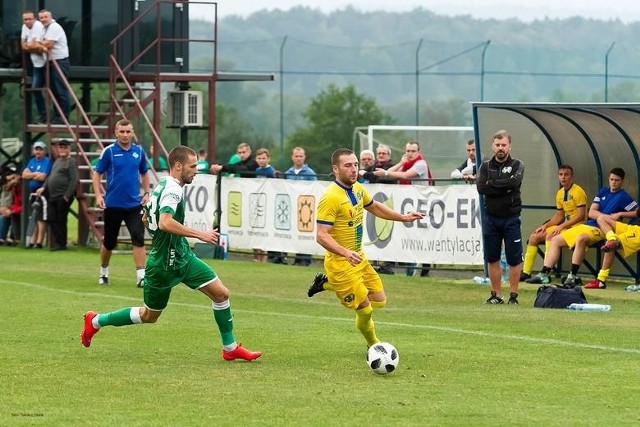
{"x":383,"y":358}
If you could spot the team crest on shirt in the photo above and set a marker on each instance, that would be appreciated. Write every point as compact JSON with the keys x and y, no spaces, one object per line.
{"x":135,"y":155}
{"x":349,"y":298}
{"x":507,"y":169}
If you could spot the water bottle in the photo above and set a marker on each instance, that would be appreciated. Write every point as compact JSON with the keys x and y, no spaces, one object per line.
{"x":412,"y":269}
{"x":504,"y":267}
{"x":481,"y":280}
{"x":589,"y":307}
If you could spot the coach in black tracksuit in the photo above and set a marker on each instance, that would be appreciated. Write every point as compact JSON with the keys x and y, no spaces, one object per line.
{"x":499,"y":181}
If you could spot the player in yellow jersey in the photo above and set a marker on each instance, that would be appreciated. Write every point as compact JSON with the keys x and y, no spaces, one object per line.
{"x":571,"y":205}
{"x":340,"y":230}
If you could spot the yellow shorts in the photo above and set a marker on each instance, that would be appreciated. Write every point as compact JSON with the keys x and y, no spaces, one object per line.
{"x":629,"y":236}
{"x":570,"y":235}
{"x":352,"y":284}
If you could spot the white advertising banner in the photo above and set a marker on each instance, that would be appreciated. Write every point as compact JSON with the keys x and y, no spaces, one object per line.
{"x":279,"y":215}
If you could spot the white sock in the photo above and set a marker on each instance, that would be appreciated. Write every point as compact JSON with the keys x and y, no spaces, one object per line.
{"x":230,"y":347}
{"x":104,"y":271}
{"x":140,"y":273}
{"x":134,"y":314}
{"x":95,"y":323}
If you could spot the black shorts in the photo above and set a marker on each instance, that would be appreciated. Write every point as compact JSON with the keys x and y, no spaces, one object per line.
{"x":132,"y":218}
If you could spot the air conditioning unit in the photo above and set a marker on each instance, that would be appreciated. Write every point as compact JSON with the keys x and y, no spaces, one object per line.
{"x":184,"y":108}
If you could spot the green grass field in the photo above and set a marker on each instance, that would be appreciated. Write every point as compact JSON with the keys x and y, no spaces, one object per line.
{"x":461,"y":362}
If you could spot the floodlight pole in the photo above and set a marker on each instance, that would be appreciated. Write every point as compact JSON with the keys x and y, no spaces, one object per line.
{"x":606,"y":72}
{"x":284,"y":40}
{"x":484,"y":52}
{"x":418,"y":82}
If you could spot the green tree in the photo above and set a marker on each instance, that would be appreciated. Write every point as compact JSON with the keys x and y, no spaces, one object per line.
{"x":332,"y":116}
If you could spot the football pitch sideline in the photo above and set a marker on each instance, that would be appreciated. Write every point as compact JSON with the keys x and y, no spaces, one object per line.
{"x":461,"y":362}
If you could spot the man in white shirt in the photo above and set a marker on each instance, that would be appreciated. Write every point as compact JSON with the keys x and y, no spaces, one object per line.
{"x":467,"y":170}
{"x":57,"y":49}
{"x":30,"y":40}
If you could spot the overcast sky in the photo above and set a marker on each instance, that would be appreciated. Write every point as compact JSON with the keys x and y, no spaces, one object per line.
{"x":525,"y":10}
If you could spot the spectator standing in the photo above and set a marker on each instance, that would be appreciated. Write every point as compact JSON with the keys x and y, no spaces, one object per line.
{"x":57,"y":49}
{"x":411,"y":170}
{"x":31,"y":37}
{"x":366,"y":165}
{"x":36,"y":172}
{"x":264,"y":169}
{"x":348,"y":272}
{"x":10,"y":206}
{"x":299,"y":171}
{"x":162,"y":161}
{"x":245,"y":168}
{"x":61,"y":187}
{"x":467,"y":170}
{"x":125,"y":165}
{"x":203,"y":163}
{"x":499,"y":180}
{"x":171,"y":261}
{"x":383,"y":161}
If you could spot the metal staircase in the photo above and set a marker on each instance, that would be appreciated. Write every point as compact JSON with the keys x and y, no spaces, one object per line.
{"x":128,"y":99}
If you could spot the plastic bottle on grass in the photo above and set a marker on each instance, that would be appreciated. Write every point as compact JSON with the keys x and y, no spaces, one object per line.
{"x":589,"y":307}
{"x":478,"y":280}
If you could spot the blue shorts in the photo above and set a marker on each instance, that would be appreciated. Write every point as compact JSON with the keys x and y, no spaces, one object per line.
{"x":496,"y":230}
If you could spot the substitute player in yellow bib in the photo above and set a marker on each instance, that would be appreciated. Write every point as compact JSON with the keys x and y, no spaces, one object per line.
{"x":571,"y":205}
{"x":340,"y":231}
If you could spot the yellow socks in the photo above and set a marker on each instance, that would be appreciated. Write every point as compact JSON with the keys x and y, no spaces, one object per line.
{"x":603,"y":275}
{"x":365,"y":325}
{"x":529,"y":259}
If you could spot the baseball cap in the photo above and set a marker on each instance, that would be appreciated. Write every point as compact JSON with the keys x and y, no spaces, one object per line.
{"x":39,"y":144}
{"x":64,"y":142}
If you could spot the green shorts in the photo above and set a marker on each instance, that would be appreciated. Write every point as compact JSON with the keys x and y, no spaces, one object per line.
{"x":159,"y":281}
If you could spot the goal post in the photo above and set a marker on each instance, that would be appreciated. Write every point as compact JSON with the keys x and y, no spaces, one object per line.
{"x":443,"y":147}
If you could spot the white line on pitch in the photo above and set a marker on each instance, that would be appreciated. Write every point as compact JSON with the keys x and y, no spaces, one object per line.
{"x":341,"y":319}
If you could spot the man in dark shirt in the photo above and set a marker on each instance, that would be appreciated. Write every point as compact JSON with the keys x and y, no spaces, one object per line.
{"x":383,"y":161}
{"x":499,"y":180}
{"x":245,"y":168}
{"x":61,"y":187}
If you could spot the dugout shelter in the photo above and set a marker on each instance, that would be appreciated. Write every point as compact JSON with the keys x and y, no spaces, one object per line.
{"x":592,"y":138}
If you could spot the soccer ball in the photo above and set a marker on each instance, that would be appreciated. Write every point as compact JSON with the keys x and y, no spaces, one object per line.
{"x":383,"y":358}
